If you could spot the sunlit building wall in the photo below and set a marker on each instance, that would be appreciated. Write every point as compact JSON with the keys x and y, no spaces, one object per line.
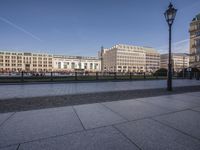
{"x":179,"y":61}
{"x":25,"y":61}
{"x":76,"y":63}
{"x":129,"y":58}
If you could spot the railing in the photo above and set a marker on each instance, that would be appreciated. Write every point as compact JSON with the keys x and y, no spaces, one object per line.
{"x":20,"y":77}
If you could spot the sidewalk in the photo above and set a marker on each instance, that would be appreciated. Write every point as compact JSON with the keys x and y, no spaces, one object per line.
{"x":163,"y":122}
{"x":39,"y":90}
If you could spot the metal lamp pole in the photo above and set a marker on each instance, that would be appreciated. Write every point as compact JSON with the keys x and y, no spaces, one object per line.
{"x":169,"y":77}
{"x":170,"y":14}
{"x":183,"y":67}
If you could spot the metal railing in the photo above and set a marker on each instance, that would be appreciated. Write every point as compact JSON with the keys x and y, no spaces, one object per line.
{"x":20,"y":77}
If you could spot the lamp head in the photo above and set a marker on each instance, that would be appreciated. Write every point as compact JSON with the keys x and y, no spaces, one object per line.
{"x":170,"y":14}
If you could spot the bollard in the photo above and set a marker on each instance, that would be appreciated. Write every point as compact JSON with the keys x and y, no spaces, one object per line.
{"x":22,"y":76}
{"x":97,"y":76}
{"x":115,"y":75}
{"x":190,"y":76}
{"x":76,"y":76}
{"x":51,"y":76}
{"x":130,"y":76}
{"x":198,"y":74}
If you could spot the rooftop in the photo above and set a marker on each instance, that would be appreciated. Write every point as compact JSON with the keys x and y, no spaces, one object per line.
{"x":126,"y":46}
{"x":197,"y":17}
{"x":176,"y":54}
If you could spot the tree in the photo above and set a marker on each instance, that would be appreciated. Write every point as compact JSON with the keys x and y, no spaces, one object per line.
{"x":193,"y":72}
{"x":161,"y":72}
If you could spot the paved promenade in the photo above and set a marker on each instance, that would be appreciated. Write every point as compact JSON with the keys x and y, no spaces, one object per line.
{"x":37,"y":90}
{"x":154,"y":123}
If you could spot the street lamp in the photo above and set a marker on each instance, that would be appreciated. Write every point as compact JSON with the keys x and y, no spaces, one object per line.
{"x":170,"y":14}
{"x":184,"y":66}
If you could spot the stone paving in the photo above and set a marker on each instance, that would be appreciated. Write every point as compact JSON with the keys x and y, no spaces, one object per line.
{"x":37,"y":90}
{"x":156,"y":123}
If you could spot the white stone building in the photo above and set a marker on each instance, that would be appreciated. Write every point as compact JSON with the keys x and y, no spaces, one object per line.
{"x":179,"y":61}
{"x":129,"y":58}
{"x":76,"y":63}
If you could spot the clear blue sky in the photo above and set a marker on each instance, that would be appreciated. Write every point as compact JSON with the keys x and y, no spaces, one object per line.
{"x":80,"y":27}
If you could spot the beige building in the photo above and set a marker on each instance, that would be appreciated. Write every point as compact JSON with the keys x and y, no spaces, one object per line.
{"x":179,"y":61}
{"x":24,"y":61}
{"x":128,"y":58}
{"x":152,"y":60}
{"x":76,"y":63}
{"x":195,"y":42}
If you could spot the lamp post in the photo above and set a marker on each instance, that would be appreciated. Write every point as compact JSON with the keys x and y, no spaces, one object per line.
{"x":184,"y":66}
{"x":170,"y":14}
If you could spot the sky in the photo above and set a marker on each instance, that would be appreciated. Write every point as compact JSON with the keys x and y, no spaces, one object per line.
{"x":81,"y":27}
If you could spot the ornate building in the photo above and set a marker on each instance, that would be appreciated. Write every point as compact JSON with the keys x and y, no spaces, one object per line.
{"x":195,"y":42}
{"x":76,"y":63}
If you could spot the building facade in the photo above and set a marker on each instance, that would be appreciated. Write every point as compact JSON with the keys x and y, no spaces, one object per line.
{"x":179,"y":61}
{"x":76,"y":63}
{"x":21,"y":61}
{"x":152,"y":60}
{"x":35,"y":62}
{"x":195,"y":42}
{"x":128,"y":58}
{"x":119,"y":58}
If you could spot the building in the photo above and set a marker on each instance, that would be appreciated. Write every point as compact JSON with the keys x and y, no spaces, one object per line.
{"x":76,"y":63}
{"x":119,"y":58}
{"x":128,"y":58}
{"x":23,"y":61}
{"x":152,"y":60}
{"x":195,"y":42}
{"x":179,"y":61}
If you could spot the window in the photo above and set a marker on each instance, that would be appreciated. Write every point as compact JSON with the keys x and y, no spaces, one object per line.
{"x":91,"y":65}
{"x":85,"y":65}
{"x":79,"y":65}
{"x":65,"y":65}
{"x":72,"y":65}
{"x":59,"y":65}
{"x":95,"y":66}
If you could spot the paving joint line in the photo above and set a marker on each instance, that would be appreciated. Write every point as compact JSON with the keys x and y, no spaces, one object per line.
{"x":169,"y":108}
{"x":7,"y":118}
{"x":151,"y":117}
{"x":126,"y":137}
{"x":78,"y":117}
{"x":113,"y":125}
{"x":43,"y":138}
{"x":195,"y":110}
{"x":175,"y":129}
{"x":155,"y":105}
{"x":114,"y":111}
{"x":18,"y":147}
